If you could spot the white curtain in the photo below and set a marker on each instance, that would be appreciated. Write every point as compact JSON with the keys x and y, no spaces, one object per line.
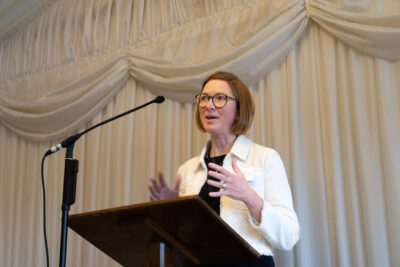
{"x":325,"y":80}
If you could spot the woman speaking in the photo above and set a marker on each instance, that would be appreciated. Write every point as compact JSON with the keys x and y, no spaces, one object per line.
{"x":245,"y":183}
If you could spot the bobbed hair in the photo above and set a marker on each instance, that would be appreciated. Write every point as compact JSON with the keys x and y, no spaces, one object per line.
{"x":245,"y":103}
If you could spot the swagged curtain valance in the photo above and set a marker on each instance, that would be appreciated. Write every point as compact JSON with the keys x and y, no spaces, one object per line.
{"x":63,"y":68}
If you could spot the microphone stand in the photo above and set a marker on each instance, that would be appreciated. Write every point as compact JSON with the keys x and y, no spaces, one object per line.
{"x":71,"y":171}
{"x":69,"y":191}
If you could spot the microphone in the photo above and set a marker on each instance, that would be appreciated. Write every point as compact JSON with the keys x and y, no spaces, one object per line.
{"x":67,"y":142}
{"x":72,"y":139}
{"x":159,"y":99}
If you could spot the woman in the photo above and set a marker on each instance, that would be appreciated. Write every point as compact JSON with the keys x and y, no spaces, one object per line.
{"x":245,"y":183}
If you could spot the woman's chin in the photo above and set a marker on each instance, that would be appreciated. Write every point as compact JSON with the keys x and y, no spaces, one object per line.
{"x":216,"y":131}
{"x":210,"y":128}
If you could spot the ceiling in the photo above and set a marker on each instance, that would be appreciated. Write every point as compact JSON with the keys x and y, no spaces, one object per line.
{"x":14,"y":14}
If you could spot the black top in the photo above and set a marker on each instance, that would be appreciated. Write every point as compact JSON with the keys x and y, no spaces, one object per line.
{"x":213,"y":202}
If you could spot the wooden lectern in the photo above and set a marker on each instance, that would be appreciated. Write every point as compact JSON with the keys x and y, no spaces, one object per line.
{"x":173,"y":232}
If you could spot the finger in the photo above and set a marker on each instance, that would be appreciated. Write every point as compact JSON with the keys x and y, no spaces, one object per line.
{"x":178,"y":181}
{"x":218,"y":176}
{"x":218,"y":193}
{"x":216,"y":184}
{"x":228,"y":192}
{"x":155,"y":185}
{"x":219,"y":169}
{"x":152,"y":198}
{"x":161,"y":179}
{"x":153,"y":192}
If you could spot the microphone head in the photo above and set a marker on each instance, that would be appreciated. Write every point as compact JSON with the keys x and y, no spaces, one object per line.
{"x":159,"y":99}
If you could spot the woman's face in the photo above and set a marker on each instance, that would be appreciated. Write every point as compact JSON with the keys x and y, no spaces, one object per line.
{"x":218,"y":121}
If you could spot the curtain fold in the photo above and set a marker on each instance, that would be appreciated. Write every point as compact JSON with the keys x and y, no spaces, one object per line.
{"x":248,"y":41}
{"x":39,"y":116}
{"x":372,"y":26}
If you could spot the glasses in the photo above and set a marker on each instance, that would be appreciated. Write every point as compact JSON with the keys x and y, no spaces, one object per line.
{"x":219,"y":100}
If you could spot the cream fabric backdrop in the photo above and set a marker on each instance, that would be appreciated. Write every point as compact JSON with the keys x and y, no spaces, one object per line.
{"x":333,"y":113}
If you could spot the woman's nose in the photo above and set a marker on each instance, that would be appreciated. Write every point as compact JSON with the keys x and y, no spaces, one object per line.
{"x":210,"y":103}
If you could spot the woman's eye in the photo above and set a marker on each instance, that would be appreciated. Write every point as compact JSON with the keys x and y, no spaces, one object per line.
{"x":220,"y":97}
{"x":203,"y":98}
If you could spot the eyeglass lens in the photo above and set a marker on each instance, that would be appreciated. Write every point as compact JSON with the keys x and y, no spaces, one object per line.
{"x":219,"y":100}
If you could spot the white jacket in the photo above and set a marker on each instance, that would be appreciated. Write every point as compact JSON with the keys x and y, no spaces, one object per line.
{"x":265,"y":173}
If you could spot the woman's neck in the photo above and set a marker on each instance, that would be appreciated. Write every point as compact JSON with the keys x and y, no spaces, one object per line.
{"x":221,"y":145}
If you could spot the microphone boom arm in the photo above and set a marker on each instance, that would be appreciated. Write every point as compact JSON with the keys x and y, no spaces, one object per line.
{"x":72,"y":139}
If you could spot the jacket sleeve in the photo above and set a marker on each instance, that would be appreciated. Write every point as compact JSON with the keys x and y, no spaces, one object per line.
{"x":279,"y":223}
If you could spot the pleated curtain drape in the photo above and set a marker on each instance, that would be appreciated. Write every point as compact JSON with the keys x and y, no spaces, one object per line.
{"x":324,"y":76}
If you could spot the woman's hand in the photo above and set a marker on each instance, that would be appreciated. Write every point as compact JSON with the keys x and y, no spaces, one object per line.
{"x":235,"y":186}
{"x":159,"y":189}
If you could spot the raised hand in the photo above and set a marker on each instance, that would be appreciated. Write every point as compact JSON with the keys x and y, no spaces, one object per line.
{"x":159,"y":189}
{"x":235,"y":185}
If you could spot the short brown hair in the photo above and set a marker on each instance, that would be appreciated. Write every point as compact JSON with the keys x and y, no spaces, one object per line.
{"x":245,"y":102}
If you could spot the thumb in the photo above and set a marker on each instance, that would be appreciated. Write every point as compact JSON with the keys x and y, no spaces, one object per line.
{"x":178,"y":182}
{"x":235,"y":167}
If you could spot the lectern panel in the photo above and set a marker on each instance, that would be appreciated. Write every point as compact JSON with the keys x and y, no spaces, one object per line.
{"x":195,"y":233}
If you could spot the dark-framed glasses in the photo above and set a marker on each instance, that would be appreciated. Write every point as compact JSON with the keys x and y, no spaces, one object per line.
{"x":219,"y":100}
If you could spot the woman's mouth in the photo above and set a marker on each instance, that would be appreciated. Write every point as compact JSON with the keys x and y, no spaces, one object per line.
{"x":211,"y":117}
